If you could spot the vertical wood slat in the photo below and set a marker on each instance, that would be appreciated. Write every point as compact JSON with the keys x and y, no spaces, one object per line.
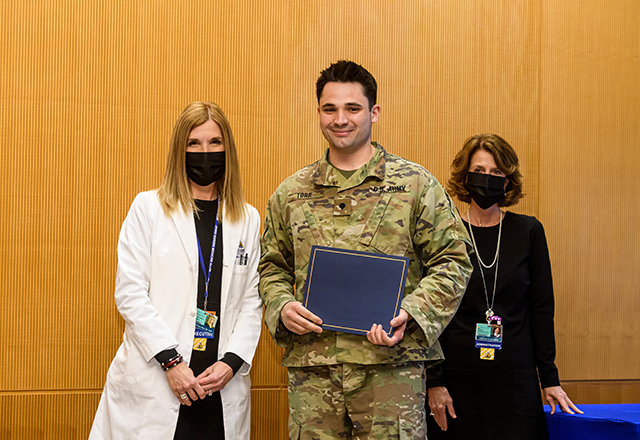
{"x":590,"y":184}
{"x":269,"y":408}
{"x":49,"y":416}
{"x":603,"y":392}
{"x":267,"y":370}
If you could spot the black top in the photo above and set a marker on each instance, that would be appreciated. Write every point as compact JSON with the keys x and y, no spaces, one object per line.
{"x":203,"y":419}
{"x":508,"y":385}
{"x":205,"y":220}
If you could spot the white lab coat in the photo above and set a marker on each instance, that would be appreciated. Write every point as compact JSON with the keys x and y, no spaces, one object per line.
{"x":156,"y":293}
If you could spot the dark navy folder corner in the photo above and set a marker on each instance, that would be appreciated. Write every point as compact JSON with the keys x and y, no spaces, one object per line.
{"x":352,"y":290}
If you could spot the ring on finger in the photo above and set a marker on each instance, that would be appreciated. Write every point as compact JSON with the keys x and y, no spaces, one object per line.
{"x":210,"y":392}
{"x":184,"y":396}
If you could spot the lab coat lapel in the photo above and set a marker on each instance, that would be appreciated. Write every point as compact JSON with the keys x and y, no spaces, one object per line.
{"x":187,"y":232}
{"x":231,"y":236}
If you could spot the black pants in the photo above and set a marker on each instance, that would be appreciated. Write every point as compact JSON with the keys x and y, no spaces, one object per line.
{"x":202,"y":420}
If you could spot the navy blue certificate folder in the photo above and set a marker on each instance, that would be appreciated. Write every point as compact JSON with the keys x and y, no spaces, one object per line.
{"x":352,"y":290}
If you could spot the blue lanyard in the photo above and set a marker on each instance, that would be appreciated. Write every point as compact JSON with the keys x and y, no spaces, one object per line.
{"x":207,"y":275}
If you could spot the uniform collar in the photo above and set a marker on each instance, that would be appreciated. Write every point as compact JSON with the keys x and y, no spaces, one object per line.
{"x":325,"y":174}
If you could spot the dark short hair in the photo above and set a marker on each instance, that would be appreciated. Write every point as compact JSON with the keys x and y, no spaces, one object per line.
{"x":344,"y":71}
{"x":505,"y":157}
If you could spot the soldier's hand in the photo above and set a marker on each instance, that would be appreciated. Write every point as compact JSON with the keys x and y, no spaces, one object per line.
{"x":299,"y":319}
{"x":378,"y":336}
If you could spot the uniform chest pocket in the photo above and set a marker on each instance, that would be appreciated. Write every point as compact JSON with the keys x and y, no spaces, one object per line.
{"x":306,"y":229}
{"x":388,"y":229}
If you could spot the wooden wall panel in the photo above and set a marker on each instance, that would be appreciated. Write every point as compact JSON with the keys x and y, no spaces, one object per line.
{"x":89,"y":92}
{"x":603,"y":391}
{"x":445,"y":71}
{"x":269,"y":408}
{"x":266,"y":370}
{"x":47,"y":416}
{"x":85,"y":127}
{"x":590,"y":185}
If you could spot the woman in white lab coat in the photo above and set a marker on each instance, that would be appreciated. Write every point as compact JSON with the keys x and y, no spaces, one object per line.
{"x":186,"y":287}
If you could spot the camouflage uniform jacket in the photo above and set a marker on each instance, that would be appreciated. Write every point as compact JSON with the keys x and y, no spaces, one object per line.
{"x":390,"y":206}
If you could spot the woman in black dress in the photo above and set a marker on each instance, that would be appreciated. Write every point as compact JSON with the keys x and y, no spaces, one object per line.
{"x":500,"y":346}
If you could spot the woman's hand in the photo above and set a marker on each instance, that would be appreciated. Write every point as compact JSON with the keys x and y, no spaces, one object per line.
{"x":181,"y":381}
{"x":439,"y":402}
{"x":557,"y":396}
{"x":215,"y":377}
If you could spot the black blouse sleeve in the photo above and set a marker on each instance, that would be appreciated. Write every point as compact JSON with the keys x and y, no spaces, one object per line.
{"x":542,"y":308}
{"x":165,"y":355}
{"x":233,"y":360}
{"x":435,"y":376}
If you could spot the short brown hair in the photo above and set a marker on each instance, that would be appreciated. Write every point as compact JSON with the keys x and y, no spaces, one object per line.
{"x":175,"y":191}
{"x":505,"y":157}
{"x":344,"y":71}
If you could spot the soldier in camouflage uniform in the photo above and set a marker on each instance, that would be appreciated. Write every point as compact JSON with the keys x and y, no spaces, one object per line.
{"x":358,"y":196}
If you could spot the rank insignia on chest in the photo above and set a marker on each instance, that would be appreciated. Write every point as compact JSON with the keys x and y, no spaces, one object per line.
{"x":342,"y":206}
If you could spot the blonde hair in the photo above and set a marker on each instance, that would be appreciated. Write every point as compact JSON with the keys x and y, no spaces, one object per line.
{"x":175,"y":191}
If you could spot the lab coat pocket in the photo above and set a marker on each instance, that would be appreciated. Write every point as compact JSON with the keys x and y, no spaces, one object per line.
{"x":240,"y":270}
{"x":129,"y":372}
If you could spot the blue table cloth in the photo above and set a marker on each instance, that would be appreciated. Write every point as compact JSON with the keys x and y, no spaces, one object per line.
{"x":601,"y":422}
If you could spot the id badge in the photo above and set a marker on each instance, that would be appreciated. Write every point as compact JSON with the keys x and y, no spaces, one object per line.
{"x":206,"y":319}
{"x":489,"y":336}
{"x":205,"y":324}
{"x":204,"y":332}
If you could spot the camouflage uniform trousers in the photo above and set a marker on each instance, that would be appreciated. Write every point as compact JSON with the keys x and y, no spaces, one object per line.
{"x":351,"y":401}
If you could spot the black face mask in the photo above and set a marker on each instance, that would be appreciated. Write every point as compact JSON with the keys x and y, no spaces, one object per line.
{"x":485,"y":189}
{"x":205,"y":168}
